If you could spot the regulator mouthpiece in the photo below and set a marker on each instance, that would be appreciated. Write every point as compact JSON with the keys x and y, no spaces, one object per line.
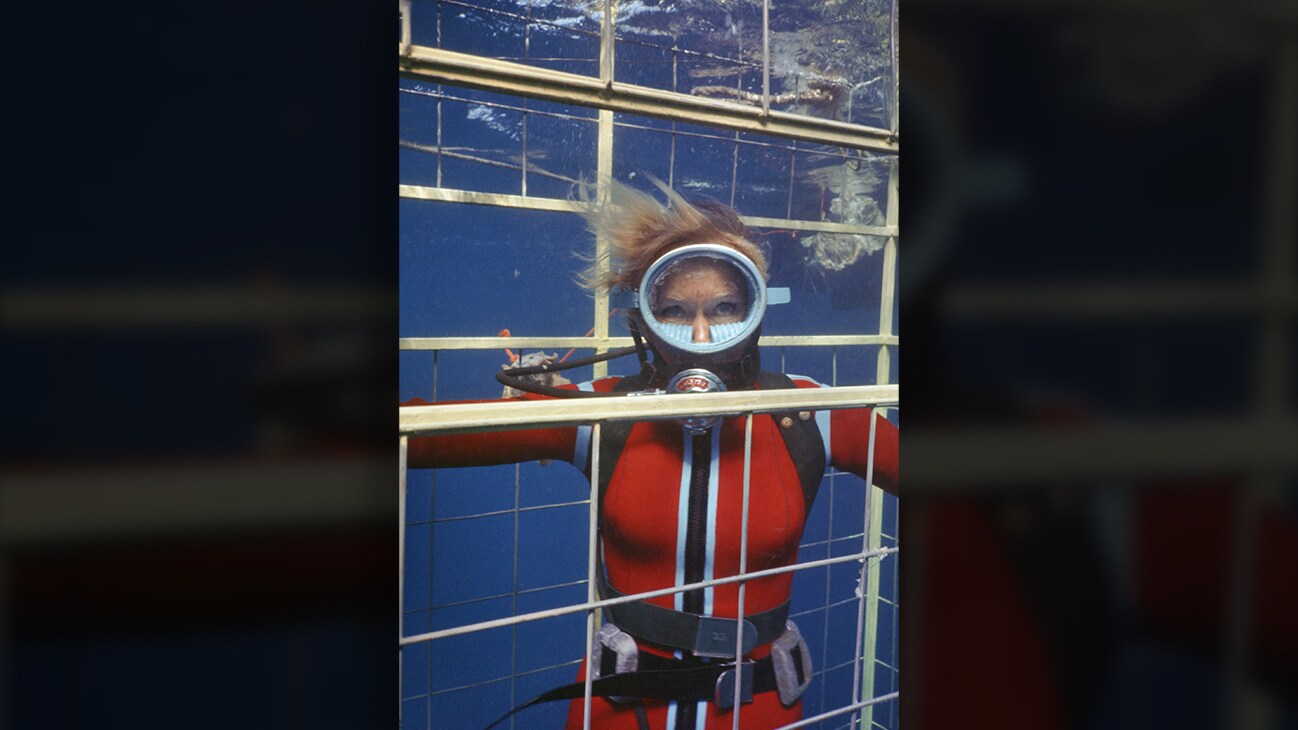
{"x":697,"y":380}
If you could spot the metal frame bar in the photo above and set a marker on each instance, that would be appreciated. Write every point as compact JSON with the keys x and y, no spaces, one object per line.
{"x":887,"y":295}
{"x":590,"y":606}
{"x":867,"y":591}
{"x":506,"y":77}
{"x":592,"y":565}
{"x":842,"y":710}
{"x":736,"y":702}
{"x":598,"y":343}
{"x":509,"y":415}
{"x":603,"y":176}
{"x":498,"y":200}
{"x":503,"y":200}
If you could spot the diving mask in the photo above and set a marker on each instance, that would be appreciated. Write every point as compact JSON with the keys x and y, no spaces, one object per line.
{"x":704,"y":299}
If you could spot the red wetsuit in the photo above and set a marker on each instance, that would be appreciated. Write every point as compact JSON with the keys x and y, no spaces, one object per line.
{"x":646,"y":514}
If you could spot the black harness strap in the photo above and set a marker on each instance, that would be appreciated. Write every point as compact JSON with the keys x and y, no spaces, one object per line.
{"x":685,"y":685}
{"x":613,"y":435}
{"x":802,"y":438}
{"x":701,"y":635}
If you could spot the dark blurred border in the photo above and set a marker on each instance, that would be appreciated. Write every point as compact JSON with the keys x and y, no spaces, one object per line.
{"x":198,"y":320}
{"x":1097,"y":269}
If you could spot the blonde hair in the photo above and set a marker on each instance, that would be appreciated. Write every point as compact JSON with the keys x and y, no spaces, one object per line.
{"x":638,"y":229}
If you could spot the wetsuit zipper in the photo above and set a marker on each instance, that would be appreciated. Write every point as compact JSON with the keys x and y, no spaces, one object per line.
{"x":696,"y":536}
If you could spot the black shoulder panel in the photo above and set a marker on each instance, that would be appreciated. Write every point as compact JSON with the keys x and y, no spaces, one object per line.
{"x":802,"y":438}
{"x":614,"y":434}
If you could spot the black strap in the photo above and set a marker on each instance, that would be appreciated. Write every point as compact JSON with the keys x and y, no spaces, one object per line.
{"x":802,"y":438}
{"x":680,"y":629}
{"x":691,"y":683}
{"x":614,"y":434}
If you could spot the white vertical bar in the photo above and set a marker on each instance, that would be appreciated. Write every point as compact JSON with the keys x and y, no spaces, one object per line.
{"x":405,"y":26}
{"x":527,"y":56}
{"x":743,"y":561}
{"x":887,"y":295}
{"x":439,"y":135}
{"x":671,"y":161}
{"x":766,"y":56}
{"x":739,"y":91}
{"x":592,"y":563}
{"x":872,"y":601}
{"x":513,"y":599}
{"x":734,"y":170}
{"x":606,"y":45}
{"x":523,"y":162}
{"x":829,"y":549}
{"x":892,"y":210}
{"x":867,"y":599}
{"x":793,"y":165}
{"x":604,"y":175}
{"x":896,"y":70}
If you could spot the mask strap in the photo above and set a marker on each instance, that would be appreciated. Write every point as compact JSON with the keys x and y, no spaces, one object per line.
{"x":647,"y":368}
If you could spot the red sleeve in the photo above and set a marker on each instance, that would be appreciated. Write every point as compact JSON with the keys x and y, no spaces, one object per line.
{"x":852,"y":442}
{"x":849,"y":450}
{"x":849,"y":446}
{"x":493,"y":447}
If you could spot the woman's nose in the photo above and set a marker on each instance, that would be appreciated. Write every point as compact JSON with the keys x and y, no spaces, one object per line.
{"x":702,"y":330}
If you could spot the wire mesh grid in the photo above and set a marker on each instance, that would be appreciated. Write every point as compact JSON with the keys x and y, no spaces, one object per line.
{"x":852,"y":531}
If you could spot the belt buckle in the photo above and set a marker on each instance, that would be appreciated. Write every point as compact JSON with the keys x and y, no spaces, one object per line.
{"x":716,"y":637}
{"x":788,"y":665}
{"x":611,"y":638}
{"x":725,"y":693}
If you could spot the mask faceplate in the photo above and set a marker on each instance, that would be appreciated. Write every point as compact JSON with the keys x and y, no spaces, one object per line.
{"x":676,"y":287}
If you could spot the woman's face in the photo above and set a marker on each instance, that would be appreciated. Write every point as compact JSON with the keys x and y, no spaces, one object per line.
{"x":699,"y":293}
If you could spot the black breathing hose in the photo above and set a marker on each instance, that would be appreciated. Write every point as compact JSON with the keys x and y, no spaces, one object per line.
{"x":514,"y":377}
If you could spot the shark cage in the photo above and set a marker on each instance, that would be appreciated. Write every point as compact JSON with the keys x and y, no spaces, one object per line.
{"x":787,"y":113}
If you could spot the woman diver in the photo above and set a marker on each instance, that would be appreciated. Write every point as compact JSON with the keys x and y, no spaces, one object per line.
{"x":671,"y":491}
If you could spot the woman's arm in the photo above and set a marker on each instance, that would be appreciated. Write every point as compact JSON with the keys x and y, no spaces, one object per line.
{"x":488,"y":448}
{"x":847,"y":432}
{"x":496,"y":447}
{"x":850,"y":442}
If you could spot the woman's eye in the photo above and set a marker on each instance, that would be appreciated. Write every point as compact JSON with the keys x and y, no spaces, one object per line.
{"x":727,"y":309}
{"x":672,"y":312}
